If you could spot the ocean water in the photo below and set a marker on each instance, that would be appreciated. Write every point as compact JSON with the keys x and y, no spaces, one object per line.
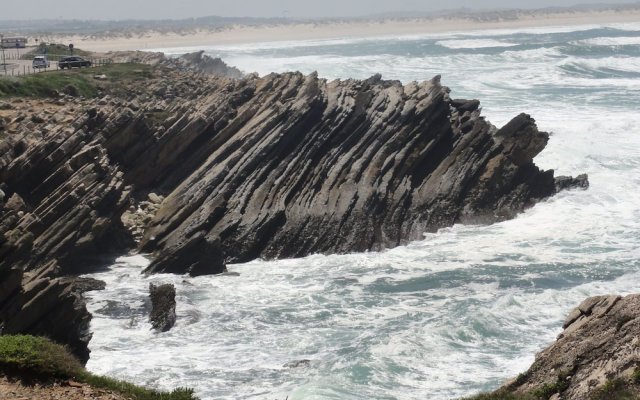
{"x":456,"y":313}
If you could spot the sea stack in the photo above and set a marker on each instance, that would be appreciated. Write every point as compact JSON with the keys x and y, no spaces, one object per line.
{"x":163,"y":306}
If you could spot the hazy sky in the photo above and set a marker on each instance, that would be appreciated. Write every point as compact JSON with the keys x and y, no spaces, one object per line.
{"x":153,"y":9}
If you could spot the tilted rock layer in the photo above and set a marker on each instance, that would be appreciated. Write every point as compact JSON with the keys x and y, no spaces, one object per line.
{"x":280,"y":166}
{"x":600,"y":344}
{"x":294,"y":165}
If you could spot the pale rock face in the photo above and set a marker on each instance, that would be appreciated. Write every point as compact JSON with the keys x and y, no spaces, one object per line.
{"x":600,"y":343}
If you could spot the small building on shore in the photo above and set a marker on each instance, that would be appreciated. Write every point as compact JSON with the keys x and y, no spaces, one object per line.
{"x":14,"y":43}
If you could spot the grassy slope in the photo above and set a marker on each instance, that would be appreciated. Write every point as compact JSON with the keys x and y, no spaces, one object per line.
{"x":36,"y":358}
{"x":54,"y":52}
{"x":615,"y":389}
{"x":78,"y":81}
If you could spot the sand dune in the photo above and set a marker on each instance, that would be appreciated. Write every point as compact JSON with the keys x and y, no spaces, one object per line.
{"x":336,"y":29}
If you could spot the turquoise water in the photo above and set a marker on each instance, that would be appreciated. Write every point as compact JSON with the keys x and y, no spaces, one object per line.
{"x":456,"y":313}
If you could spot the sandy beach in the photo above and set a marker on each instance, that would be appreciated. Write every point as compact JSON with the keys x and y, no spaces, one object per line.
{"x":330,"y":30}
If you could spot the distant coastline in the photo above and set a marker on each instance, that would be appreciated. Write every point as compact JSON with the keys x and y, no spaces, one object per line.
{"x":335,"y":29}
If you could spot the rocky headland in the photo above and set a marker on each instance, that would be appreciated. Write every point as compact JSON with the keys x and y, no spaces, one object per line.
{"x":199,"y":167}
{"x":596,"y":357}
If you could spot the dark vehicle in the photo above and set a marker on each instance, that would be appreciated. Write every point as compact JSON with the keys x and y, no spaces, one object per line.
{"x":73,"y":62}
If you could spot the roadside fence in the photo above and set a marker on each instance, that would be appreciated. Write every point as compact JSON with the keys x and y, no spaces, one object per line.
{"x":24,"y":67}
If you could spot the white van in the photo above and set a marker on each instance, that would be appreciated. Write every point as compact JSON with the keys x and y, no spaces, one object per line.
{"x":40,"y":62}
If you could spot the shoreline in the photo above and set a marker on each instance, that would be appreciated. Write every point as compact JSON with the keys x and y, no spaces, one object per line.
{"x":238,"y":35}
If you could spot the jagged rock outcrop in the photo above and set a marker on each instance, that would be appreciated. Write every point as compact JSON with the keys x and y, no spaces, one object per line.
{"x":63,"y":212}
{"x":163,"y":306}
{"x":280,"y":166}
{"x":599,"y":345}
{"x":195,"y":62}
{"x":201,"y":62}
{"x":296,"y":165}
{"x":568,"y":182}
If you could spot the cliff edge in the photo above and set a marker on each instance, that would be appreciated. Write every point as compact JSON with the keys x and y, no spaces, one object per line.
{"x":284,"y":165}
{"x":596,"y":357}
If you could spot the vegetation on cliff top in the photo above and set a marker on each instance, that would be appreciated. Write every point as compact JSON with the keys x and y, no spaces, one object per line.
{"x":33,"y":358}
{"x":615,"y":389}
{"x":48,"y":84}
{"x":54,"y":51}
{"x":76,"y":82}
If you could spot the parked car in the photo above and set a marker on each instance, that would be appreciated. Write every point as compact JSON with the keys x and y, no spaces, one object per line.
{"x":40,"y":62}
{"x":73,"y":62}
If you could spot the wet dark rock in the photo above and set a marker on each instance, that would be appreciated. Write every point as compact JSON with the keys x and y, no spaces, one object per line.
{"x":568,"y":182}
{"x":198,"y":255}
{"x":83,"y":285}
{"x":163,"y":306}
{"x":297,"y":364}
{"x":465,"y":105}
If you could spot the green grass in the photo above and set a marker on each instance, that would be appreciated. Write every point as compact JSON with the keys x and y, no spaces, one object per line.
{"x":77,"y":82}
{"x":118,"y":72}
{"x":47,"y":84}
{"x":54,"y":52}
{"x":616,"y":389}
{"x":36,"y":358}
{"x":500,"y":395}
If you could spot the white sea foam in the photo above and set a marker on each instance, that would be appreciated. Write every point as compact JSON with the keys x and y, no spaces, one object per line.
{"x":439,"y":318}
{"x":610,"y":41}
{"x":474,"y":43}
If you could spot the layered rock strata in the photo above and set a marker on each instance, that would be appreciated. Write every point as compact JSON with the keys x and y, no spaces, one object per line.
{"x":63,"y":211}
{"x":596,"y":356}
{"x":280,"y":166}
{"x":294,"y":165}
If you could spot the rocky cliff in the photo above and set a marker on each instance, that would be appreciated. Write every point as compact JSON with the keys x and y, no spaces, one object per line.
{"x":292,"y":165}
{"x":596,"y":356}
{"x":279,"y":166}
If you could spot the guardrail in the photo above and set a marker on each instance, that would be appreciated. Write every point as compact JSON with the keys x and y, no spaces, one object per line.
{"x":12,"y":54}
{"x":25,"y":67}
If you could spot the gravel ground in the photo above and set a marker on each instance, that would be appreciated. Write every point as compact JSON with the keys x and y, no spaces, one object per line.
{"x":67,"y":390}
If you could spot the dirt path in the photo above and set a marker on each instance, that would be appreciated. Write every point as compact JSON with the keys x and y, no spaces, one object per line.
{"x":63,"y":391}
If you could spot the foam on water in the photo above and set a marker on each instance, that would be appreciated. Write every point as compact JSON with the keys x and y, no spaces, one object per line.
{"x":456,"y":313}
{"x":610,"y":41}
{"x":474,"y":43}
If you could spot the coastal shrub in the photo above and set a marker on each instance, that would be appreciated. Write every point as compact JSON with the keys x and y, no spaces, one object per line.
{"x":37,"y":358}
{"x":133,"y":391}
{"x":120,"y":72}
{"x":547,"y":390}
{"x":615,"y":389}
{"x":501,"y":395}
